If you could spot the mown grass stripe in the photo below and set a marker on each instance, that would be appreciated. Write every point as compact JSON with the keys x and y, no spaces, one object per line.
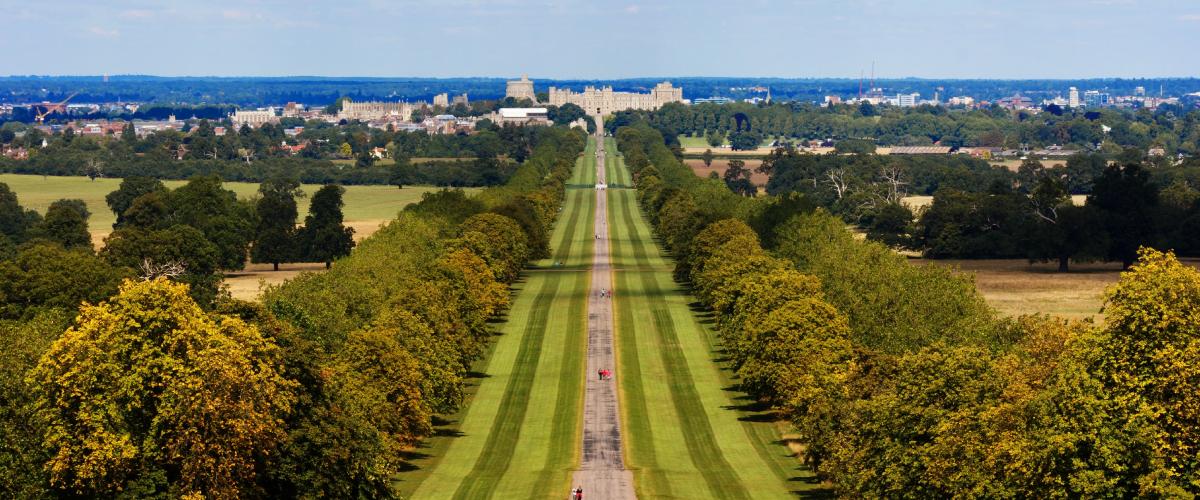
{"x":563,"y":455}
{"x":701,"y":444}
{"x":633,"y":402}
{"x":498,"y":450}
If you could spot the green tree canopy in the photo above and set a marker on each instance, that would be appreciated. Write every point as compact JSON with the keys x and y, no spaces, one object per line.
{"x":147,"y":393}
{"x":323,"y":237}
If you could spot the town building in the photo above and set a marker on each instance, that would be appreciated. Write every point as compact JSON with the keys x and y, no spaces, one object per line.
{"x":442,"y":100}
{"x":1073,"y":98}
{"x":292,"y":109}
{"x":712,"y":100}
{"x":374,"y":110}
{"x":520,"y":89}
{"x":460,"y":99}
{"x":1095,"y":99}
{"x":965,"y":101}
{"x":605,"y":100}
{"x":521,"y":116}
{"x":905,"y":100}
{"x":1017,"y":101}
{"x":254,"y":118}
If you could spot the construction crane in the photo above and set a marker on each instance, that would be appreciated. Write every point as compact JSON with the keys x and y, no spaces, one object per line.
{"x":50,"y":108}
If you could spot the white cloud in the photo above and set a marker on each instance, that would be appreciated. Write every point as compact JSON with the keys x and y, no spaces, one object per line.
{"x":1193,"y":18}
{"x":104,"y":32}
{"x":633,"y":9}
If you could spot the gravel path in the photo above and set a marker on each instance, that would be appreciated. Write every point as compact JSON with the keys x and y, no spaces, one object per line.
{"x":602,"y":472}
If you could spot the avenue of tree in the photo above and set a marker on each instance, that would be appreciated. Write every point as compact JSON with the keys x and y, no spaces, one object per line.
{"x":902,"y":382}
{"x":127,"y":374}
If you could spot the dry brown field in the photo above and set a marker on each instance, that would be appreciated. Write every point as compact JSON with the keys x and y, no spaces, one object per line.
{"x":720,"y":166}
{"x":1015,"y":287}
{"x":1013,"y":164}
{"x":248,"y":283}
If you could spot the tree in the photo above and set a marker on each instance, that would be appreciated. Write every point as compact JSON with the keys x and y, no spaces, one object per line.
{"x":854,"y":146}
{"x":65,"y":223}
{"x":402,"y":173}
{"x":1060,"y":230}
{"x":228,"y":223}
{"x":275,"y":236}
{"x":744,"y":140}
{"x":567,"y":113}
{"x":14,"y":220}
{"x":22,"y":458}
{"x":1127,"y":198}
{"x":148,"y":394}
{"x":195,"y":259}
{"x":707,"y":158}
{"x":324,"y":238}
{"x":44,"y":275}
{"x":891,"y":225}
{"x":1149,"y":356}
{"x":503,"y":245}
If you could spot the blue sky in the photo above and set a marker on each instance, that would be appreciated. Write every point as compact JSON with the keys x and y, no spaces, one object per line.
{"x":604,"y":38}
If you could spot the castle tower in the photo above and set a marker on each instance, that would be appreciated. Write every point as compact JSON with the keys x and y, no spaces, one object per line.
{"x":520,"y":89}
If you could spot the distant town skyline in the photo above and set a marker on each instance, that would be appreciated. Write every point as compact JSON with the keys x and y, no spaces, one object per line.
{"x":1024,"y":39}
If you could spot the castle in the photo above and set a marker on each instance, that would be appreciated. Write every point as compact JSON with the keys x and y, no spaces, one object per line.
{"x":601,"y":101}
{"x":367,"y":111}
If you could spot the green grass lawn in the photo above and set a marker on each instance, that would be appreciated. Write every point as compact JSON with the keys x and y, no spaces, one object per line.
{"x":364,"y":204}
{"x":687,"y":432}
{"x":702,"y":142}
{"x":519,"y":434}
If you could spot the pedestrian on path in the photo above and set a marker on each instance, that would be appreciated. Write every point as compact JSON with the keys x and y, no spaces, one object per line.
{"x":600,"y":373}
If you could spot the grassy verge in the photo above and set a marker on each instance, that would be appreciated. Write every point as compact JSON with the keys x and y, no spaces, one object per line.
{"x":519,"y":435}
{"x":688,"y":434}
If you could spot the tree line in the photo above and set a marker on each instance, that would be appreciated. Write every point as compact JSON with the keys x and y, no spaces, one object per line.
{"x":1175,"y":128}
{"x":902,"y":382}
{"x":249,"y":154}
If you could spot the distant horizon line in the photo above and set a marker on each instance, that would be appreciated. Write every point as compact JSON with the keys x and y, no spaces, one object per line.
{"x":680,"y":77}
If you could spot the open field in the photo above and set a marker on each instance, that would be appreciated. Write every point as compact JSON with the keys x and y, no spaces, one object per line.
{"x":687,"y":433}
{"x":518,"y":436}
{"x":247,"y":283}
{"x":1015,"y":287}
{"x":366,"y":206}
{"x":721,"y":165}
{"x":697,"y":145}
{"x":1014,"y":164}
{"x":916,"y":203}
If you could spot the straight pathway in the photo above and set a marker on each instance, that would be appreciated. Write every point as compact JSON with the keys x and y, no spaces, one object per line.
{"x":602,"y":473}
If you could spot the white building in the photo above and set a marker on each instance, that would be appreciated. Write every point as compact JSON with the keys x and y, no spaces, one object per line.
{"x":367,"y":111}
{"x":605,"y":101}
{"x":254,"y":118}
{"x":1073,"y":98}
{"x":965,"y":100}
{"x":521,"y":116}
{"x":905,"y":100}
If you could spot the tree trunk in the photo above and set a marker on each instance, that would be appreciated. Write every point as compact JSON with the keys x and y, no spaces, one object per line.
{"x":1062,"y":263}
{"x":276,"y":265}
